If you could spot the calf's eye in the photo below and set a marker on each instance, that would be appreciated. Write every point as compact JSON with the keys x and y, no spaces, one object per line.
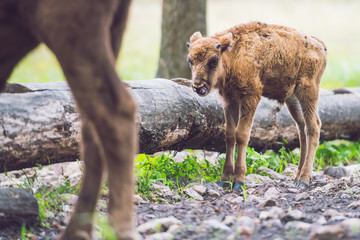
{"x":213,"y":62}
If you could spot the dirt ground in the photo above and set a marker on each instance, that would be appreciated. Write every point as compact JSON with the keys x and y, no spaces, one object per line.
{"x":270,"y":207}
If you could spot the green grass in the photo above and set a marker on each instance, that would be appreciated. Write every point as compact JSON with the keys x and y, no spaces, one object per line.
{"x":178,"y":175}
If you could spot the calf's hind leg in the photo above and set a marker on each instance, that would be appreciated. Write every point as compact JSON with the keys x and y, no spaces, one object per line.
{"x":296,"y":113}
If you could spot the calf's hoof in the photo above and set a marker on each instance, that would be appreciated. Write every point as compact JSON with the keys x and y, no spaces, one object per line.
{"x":223,"y":184}
{"x":301,"y":184}
{"x":237,"y":186}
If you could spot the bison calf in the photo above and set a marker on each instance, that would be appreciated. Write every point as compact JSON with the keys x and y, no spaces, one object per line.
{"x":253,"y":60}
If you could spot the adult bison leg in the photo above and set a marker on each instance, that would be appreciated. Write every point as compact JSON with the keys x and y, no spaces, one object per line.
{"x":248,"y":108}
{"x":80,"y":225}
{"x":15,"y":42}
{"x":231,"y":110}
{"x":82,"y":43}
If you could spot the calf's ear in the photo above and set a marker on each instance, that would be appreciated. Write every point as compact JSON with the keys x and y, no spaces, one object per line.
{"x":226,"y":41}
{"x":195,"y":36}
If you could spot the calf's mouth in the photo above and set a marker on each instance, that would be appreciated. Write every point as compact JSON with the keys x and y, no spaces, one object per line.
{"x":201,"y":90}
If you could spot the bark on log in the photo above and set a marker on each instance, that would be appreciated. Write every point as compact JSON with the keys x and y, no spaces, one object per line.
{"x":40,"y":124}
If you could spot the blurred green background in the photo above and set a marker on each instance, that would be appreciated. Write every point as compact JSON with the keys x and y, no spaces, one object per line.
{"x":333,"y":21}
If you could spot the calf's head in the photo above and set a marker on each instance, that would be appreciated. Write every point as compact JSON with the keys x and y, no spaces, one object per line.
{"x":205,"y":60}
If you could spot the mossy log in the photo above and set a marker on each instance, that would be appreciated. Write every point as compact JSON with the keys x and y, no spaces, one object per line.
{"x":39,"y":122}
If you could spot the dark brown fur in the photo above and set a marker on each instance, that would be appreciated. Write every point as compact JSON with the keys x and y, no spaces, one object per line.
{"x":255,"y":60}
{"x":85,"y":36}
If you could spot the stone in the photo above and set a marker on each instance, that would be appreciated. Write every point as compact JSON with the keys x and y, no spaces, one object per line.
{"x":73,"y":167}
{"x":293,"y":216}
{"x":272,"y":193}
{"x":70,"y":199}
{"x":267,"y":203}
{"x":137,"y":199}
{"x":302,"y":196}
{"x":160,"y":236}
{"x":336,"y":172}
{"x":200,"y":189}
{"x":328,"y":232}
{"x":264,"y":215}
{"x":354,"y":205}
{"x":298,"y":225}
{"x":213,"y":225}
{"x":255,"y":179}
{"x":192,"y":194}
{"x":272,"y":174}
{"x":161,"y":190}
{"x":353,"y":190}
{"x":321,"y":220}
{"x":276,"y":212}
{"x":336,"y":219}
{"x":329,"y":213}
{"x":290,"y":170}
{"x":75,"y":178}
{"x":158,"y":225}
{"x":246,"y":221}
{"x":325,"y":188}
{"x":229,"y":220}
{"x":213,"y":193}
{"x":237,"y":200}
{"x":352,"y":225}
{"x":17,"y":205}
{"x":252,"y":199}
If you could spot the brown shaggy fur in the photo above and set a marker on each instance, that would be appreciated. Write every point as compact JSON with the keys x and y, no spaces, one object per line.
{"x":85,"y":36}
{"x":254,"y":60}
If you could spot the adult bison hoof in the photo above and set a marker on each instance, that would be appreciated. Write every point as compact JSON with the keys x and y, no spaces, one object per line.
{"x":237,"y":186}
{"x":301,"y":184}
{"x":223,"y":184}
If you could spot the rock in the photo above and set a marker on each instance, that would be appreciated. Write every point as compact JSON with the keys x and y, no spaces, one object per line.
{"x":214,"y":226}
{"x":272,"y":193}
{"x":290,"y":170}
{"x":271,"y":173}
{"x":192,"y":194}
{"x":267,"y":203}
{"x":229,"y":220}
{"x":325,"y":188}
{"x":73,"y":167}
{"x":293,"y":216}
{"x":336,"y":172}
{"x":160,"y":236}
{"x":321,"y":220}
{"x":237,"y":200}
{"x":245,"y":226}
{"x":255,"y":179}
{"x":353,"y":190}
{"x":252,"y":199}
{"x":18,"y":206}
{"x":354,"y":205}
{"x":213,"y":193}
{"x":70,"y":199}
{"x":328,"y":232}
{"x":276,"y":212}
{"x":329,"y":213}
{"x":336,"y":219}
{"x":352,"y":225}
{"x":161,"y":190}
{"x":137,"y":199}
{"x":75,"y":178}
{"x":353,"y":169}
{"x":156,"y":225}
{"x":200,"y":189}
{"x":302,"y":196}
{"x":264,"y":215}
{"x":298,"y":225}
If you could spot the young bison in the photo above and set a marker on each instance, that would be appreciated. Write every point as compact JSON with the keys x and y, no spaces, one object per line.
{"x":255,"y":59}
{"x":85,"y":37}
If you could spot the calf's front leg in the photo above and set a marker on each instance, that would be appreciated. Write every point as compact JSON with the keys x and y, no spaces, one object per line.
{"x":248,"y":107}
{"x":231,"y":111}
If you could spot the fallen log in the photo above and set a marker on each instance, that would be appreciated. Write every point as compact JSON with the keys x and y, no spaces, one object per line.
{"x":39,"y":123}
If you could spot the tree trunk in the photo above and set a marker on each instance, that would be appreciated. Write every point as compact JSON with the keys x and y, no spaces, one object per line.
{"x":40,"y":125}
{"x":180,"y":19}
